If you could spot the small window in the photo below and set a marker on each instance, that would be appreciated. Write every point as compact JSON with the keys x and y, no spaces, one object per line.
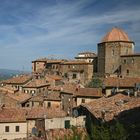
{"x":74,"y":76}
{"x":113,"y":52}
{"x":132,"y":61}
{"x":126,"y":51}
{"x":6,"y":128}
{"x":127,"y":71}
{"x":83,"y":100}
{"x":124,"y":61}
{"x":49,"y":104}
{"x":17,"y":128}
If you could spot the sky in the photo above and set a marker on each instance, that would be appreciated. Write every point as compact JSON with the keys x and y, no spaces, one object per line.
{"x":32,"y":29}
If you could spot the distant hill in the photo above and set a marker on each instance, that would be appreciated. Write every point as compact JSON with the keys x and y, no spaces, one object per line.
{"x":6,"y":73}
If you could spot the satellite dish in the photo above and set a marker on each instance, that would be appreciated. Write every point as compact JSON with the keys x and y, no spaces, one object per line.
{"x":75,"y":113}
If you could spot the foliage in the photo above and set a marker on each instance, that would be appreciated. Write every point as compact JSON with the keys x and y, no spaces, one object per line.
{"x":106,"y":131}
{"x":95,"y":83}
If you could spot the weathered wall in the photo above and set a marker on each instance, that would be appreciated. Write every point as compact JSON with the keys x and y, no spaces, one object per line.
{"x":130,"y":66}
{"x":109,"y":55}
{"x":12,"y":134}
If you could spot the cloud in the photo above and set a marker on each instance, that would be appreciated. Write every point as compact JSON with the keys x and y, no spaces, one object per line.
{"x":62,"y":27}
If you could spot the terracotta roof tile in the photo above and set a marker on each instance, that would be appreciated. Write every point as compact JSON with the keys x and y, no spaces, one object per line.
{"x":8,"y":89}
{"x":55,"y":77}
{"x":75,"y":62}
{"x":21,"y":114}
{"x":36,"y":83}
{"x":12,"y":115}
{"x":53,"y":97}
{"x":37,"y":98}
{"x":116,"y":34}
{"x":20,"y":97}
{"x":112,"y":106}
{"x":55,"y":88}
{"x":91,"y":92}
{"x":120,"y":82}
{"x":69,"y":88}
{"x":41,"y":112}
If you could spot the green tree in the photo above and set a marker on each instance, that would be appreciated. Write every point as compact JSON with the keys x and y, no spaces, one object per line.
{"x":95,"y":83}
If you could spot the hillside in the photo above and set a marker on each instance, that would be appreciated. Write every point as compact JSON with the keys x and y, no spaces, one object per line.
{"x":6,"y":73}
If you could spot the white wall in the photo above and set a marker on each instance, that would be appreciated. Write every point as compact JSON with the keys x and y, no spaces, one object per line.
{"x":12,"y":134}
{"x":60,"y":122}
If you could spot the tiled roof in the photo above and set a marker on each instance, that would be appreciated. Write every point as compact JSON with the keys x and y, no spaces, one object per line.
{"x":116,"y":34}
{"x":12,"y":115}
{"x":36,"y":83}
{"x":41,"y":112}
{"x":21,"y":79}
{"x":49,"y":60}
{"x":69,"y":88}
{"x":37,"y":98}
{"x":108,"y":108}
{"x":75,"y":62}
{"x":21,"y":114}
{"x":8,"y":89}
{"x":40,"y":60}
{"x":121,"y":82}
{"x":20,"y":97}
{"x":53,"y":97}
{"x":55,"y":88}
{"x":55,"y":77}
{"x":55,"y":61}
{"x":91,"y":92}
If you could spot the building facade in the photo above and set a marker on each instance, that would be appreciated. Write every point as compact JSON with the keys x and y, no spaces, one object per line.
{"x":114,"y":44}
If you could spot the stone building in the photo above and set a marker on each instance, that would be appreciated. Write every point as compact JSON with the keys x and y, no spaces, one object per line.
{"x":130,"y":65}
{"x":80,"y":71}
{"x":44,"y":65}
{"x":114,"y":44}
{"x":73,"y":70}
{"x":87,"y":56}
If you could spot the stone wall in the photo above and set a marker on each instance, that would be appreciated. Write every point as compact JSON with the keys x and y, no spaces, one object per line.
{"x":130,"y":66}
{"x":109,"y":55}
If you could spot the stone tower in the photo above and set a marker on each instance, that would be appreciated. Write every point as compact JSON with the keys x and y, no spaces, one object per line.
{"x":114,"y":44}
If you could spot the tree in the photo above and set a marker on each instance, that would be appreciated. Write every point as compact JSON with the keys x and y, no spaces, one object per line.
{"x":95,"y":83}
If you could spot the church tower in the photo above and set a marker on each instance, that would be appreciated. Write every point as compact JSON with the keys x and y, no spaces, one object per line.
{"x":114,"y":44}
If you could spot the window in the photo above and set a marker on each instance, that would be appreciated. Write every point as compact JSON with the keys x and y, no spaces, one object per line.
{"x":74,"y":76}
{"x":113,"y":52}
{"x":124,"y":61}
{"x":49,"y":104}
{"x":17,"y":128}
{"x":126,"y":51}
{"x":6,"y":128}
{"x":83,"y":100}
{"x":132,"y":61}
{"x":127,"y":71}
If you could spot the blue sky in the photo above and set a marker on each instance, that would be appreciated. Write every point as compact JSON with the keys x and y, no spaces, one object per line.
{"x":30,"y":29}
